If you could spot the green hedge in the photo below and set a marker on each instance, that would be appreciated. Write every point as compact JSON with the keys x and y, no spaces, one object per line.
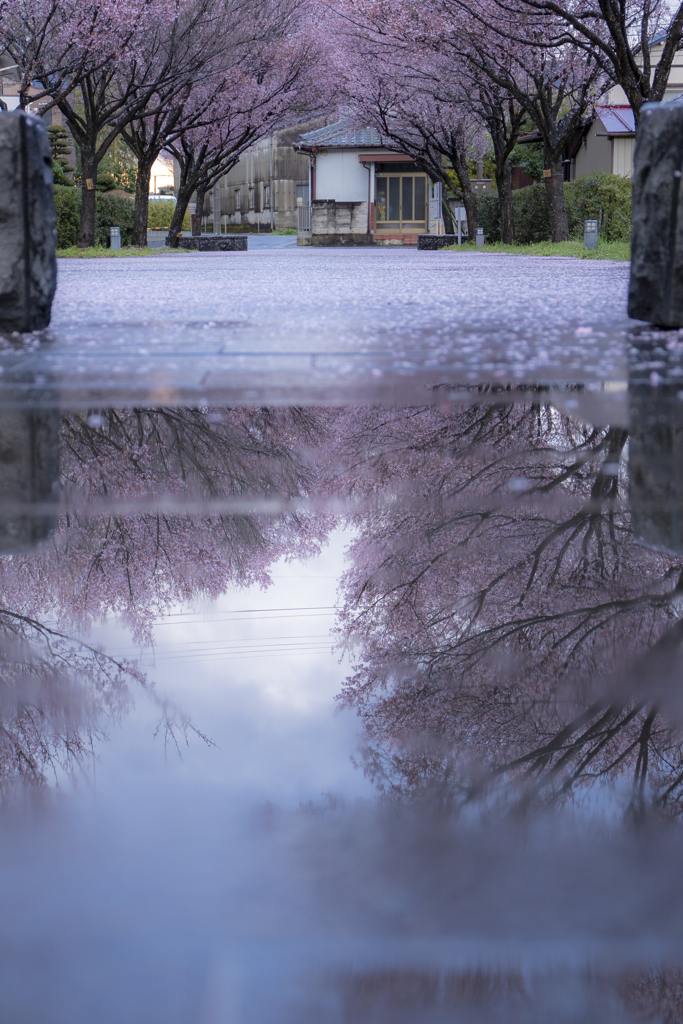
{"x":112,"y":211}
{"x":159,"y":213}
{"x":584,"y":198}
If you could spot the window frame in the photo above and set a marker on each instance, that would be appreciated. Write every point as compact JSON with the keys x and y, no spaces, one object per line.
{"x":402,"y":224}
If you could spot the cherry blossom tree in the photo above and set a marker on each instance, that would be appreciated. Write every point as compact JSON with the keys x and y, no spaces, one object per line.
{"x":136,"y":565}
{"x":242,"y":68}
{"x":417,"y":99}
{"x":504,"y":117}
{"x":556,"y":85}
{"x":56,"y":43}
{"x":89,"y":62}
{"x":202,"y":46}
{"x":208,"y":152}
{"x":429,"y":80}
{"x":269,"y":90}
{"x":619,"y":36}
{"x":58,"y":695}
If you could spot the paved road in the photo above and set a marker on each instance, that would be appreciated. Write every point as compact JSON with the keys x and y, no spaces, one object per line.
{"x":285,"y":323}
{"x":258,"y":242}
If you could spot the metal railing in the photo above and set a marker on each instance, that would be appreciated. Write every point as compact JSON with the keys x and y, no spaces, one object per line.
{"x":303,"y":218}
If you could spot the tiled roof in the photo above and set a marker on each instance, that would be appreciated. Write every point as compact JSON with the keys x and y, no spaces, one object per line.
{"x":618,"y":119}
{"x":342,"y":133}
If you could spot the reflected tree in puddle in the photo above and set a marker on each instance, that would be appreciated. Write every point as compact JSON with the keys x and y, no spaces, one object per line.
{"x":470,"y":997}
{"x":505,"y":624}
{"x":55,"y":692}
{"x":508,"y":997}
{"x":137,"y":564}
{"x":58,"y":690}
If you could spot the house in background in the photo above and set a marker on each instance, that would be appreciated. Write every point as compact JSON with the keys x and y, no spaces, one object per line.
{"x":362,"y":192}
{"x":162,"y":179}
{"x":606,"y":144}
{"x":262,"y":191}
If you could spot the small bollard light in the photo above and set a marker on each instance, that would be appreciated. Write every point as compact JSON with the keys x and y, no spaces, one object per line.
{"x":114,"y":238}
{"x":590,"y":234}
{"x":480,"y":238}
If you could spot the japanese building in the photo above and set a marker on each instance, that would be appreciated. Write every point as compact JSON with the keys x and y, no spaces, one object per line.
{"x":361,"y":191}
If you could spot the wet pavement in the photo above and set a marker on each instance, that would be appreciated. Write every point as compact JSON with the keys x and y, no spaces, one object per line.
{"x":324,"y":325}
{"x":341,"y":642}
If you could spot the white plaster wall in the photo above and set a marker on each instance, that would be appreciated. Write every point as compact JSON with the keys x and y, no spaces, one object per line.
{"x":341,"y":176}
{"x":622,"y":157}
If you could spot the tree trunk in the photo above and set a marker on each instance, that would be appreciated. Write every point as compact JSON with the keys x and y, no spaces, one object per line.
{"x":86,"y":232}
{"x":142,"y":201}
{"x":185,"y":191}
{"x":469,"y":200}
{"x":199,"y":208}
{"x":507,"y":211}
{"x":554,"y":197}
{"x":448,"y":222}
{"x":470,"y":203}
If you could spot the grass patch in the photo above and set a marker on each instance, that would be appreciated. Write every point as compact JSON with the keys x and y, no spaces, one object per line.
{"x":575,"y":249}
{"x":73,"y":252}
{"x":288,"y":231}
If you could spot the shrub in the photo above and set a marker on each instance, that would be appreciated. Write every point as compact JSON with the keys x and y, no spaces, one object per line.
{"x":159,"y":214}
{"x":488,"y":215}
{"x":112,"y":211}
{"x":68,"y":209}
{"x":531,"y":214}
{"x":603,"y":197}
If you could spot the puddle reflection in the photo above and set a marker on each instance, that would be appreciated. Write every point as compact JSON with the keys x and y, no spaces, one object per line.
{"x":507,"y":633}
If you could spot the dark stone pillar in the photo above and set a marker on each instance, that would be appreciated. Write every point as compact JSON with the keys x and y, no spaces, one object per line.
{"x":29,"y":477}
{"x":656,"y":289}
{"x":656,"y":442}
{"x":28,"y":268}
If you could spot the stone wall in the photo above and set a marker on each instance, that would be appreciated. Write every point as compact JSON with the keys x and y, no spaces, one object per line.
{"x":335,"y":223}
{"x":436,"y":241}
{"x":214,"y":243}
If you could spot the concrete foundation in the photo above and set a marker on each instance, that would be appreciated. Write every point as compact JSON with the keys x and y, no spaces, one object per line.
{"x":333,"y":223}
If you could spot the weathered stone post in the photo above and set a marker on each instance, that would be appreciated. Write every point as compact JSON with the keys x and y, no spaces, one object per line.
{"x":29,"y":476}
{"x":656,"y":466}
{"x":28,"y":267}
{"x":656,"y":288}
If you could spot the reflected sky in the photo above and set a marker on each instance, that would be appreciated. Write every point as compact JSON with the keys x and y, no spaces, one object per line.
{"x":257,"y":673}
